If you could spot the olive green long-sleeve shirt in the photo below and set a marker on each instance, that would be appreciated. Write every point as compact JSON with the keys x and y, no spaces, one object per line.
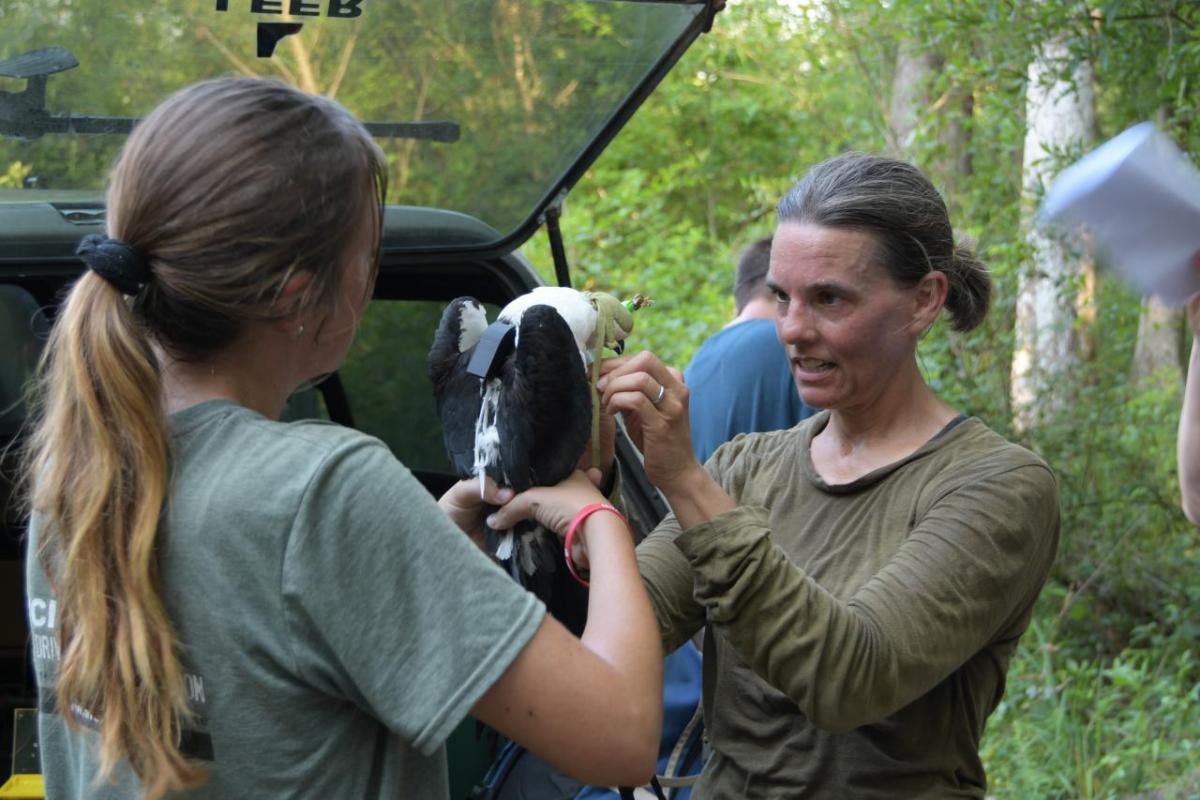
{"x":856,"y":635}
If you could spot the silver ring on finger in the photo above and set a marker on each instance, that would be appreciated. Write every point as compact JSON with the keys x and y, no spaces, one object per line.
{"x":662,"y":392}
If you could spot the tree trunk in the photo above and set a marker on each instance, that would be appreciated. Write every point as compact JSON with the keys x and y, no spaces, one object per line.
{"x":915,"y":113}
{"x":1059,"y":119}
{"x":953,"y":164}
{"x":1157,"y":354}
{"x":1085,"y":343}
{"x":915,"y":69}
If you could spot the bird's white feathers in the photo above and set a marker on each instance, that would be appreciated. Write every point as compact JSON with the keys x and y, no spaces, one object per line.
{"x":505,"y":547}
{"x":472,"y":322}
{"x":487,"y":434}
{"x":571,"y":304}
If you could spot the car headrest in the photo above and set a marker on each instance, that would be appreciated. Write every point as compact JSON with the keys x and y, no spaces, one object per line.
{"x":23,"y":329}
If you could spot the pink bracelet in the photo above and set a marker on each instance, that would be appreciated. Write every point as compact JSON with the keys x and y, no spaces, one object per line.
{"x":583,"y":514}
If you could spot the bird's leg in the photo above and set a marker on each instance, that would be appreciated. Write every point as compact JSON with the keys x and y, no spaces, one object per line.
{"x":595,"y":415}
{"x":602,"y":325}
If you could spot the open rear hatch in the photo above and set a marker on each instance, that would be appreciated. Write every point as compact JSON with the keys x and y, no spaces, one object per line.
{"x":489,"y":110}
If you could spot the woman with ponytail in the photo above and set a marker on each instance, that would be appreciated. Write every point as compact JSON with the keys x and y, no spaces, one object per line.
{"x":240,"y":607}
{"x":863,"y":578}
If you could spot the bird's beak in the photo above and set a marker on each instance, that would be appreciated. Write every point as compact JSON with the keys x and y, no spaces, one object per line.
{"x":620,"y":348}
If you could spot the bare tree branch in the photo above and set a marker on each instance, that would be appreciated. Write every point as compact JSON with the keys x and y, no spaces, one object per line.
{"x":232,"y":57}
{"x":308,"y":77}
{"x":339,"y":74}
{"x":1074,"y":594}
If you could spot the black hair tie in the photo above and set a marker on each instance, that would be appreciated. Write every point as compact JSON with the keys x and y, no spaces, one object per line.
{"x":115,"y":261}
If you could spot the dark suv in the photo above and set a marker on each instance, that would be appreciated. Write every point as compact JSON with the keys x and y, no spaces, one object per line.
{"x":489,"y":111}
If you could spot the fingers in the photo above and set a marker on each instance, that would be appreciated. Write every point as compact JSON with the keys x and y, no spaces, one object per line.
{"x":643,"y":393}
{"x":643,"y":373}
{"x":643,"y":402}
{"x":651,"y":397}
{"x":612,"y":364}
{"x":644,"y":361}
{"x":512,"y":512}
{"x":623,"y":378}
{"x":464,"y":504}
{"x":492,"y":494}
{"x":552,"y":506}
{"x":466,"y":494}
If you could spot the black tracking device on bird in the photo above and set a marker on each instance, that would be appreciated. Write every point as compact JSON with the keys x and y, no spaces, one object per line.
{"x":494,"y":346}
{"x":517,"y":397}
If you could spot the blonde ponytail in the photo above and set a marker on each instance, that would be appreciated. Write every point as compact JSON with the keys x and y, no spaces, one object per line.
{"x":195,"y":195}
{"x":100,"y":456}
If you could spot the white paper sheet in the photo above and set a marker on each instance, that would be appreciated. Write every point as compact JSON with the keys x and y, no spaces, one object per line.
{"x":1139,"y":197}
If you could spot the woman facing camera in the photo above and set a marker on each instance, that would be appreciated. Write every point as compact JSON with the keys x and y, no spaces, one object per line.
{"x":863,"y":578}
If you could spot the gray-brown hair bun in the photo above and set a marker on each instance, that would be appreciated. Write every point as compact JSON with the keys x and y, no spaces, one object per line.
{"x":970,"y":289}
{"x":115,"y":261}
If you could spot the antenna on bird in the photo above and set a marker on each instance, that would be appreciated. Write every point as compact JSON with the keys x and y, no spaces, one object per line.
{"x":638,"y":302}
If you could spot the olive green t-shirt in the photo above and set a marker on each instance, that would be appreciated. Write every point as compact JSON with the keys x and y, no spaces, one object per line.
{"x":334,"y":625}
{"x":856,"y":635}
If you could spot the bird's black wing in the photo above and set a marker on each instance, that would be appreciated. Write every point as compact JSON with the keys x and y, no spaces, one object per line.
{"x":457,"y":393}
{"x":545,"y":402}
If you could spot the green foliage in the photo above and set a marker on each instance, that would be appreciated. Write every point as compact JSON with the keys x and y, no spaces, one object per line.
{"x":1123,"y":534}
{"x":1104,"y":694}
{"x":15,"y":177}
{"x":1073,"y":726}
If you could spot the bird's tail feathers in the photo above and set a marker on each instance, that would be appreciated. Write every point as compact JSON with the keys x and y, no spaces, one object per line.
{"x":504,"y":547}
{"x":528,"y":546}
